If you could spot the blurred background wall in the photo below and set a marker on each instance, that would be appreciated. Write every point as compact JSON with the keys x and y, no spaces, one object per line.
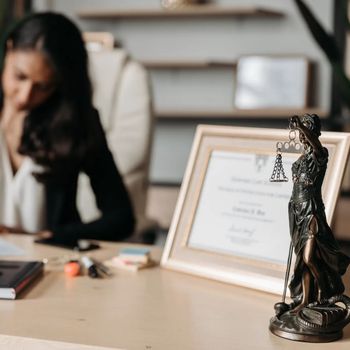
{"x":180,"y":91}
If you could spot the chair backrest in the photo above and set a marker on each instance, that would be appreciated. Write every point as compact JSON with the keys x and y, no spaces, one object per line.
{"x":122,"y":96}
{"x":97,"y":41}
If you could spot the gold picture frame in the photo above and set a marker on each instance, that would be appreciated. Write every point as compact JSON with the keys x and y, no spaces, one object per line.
{"x":216,"y":231}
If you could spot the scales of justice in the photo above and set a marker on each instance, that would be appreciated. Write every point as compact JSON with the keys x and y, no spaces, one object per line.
{"x":319,"y":310}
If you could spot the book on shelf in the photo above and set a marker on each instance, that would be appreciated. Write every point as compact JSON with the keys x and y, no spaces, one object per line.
{"x":17,"y":275}
{"x":137,"y":255}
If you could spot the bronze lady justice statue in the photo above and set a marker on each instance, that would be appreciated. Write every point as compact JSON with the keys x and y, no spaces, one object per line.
{"x":316,"y":285}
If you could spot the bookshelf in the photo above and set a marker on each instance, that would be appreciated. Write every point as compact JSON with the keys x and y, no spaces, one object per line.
{"x":189,"y":64}
{"x":199,"y":11}
{"x":204,"y":60}
{"x":275,"y":113}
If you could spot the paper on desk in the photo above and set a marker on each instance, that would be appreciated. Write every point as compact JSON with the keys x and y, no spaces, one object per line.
{"x":10,"y":342}
{"x":7,"y":249}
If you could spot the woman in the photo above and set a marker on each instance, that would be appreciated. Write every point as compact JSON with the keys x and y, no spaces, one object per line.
{"x":319,"y":263}
{"x":50,"y":132}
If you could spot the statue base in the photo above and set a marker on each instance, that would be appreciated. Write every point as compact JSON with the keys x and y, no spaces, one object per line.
{"x":315,"y":323}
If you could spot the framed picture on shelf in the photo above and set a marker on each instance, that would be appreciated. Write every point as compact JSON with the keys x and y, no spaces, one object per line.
{"x":267,"y":82}
{"x":231,"y":223}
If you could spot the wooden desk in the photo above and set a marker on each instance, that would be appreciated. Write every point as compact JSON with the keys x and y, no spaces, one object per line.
{"x":153,"y":309}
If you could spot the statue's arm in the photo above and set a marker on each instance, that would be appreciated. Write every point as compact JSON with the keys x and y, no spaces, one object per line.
{"x":309,"y":135}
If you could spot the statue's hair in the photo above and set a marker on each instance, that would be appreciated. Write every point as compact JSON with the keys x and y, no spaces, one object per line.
{"x":312,"y":122}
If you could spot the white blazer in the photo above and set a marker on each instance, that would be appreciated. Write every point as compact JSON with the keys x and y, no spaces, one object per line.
{"x":22,"y":198}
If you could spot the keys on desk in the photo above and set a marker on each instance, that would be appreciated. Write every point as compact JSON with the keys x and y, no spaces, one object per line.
{"x":95,"y":268}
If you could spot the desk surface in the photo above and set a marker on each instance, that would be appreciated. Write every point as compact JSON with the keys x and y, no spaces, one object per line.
{"x":153,"y":309}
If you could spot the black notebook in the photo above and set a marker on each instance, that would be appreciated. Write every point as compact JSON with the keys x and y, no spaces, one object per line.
{"x":17,"y":275}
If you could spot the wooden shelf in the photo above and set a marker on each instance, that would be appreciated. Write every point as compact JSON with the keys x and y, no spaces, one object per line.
{"x":238,"y":113}
{"x":189,"y":11}
{"x":190,"y":64}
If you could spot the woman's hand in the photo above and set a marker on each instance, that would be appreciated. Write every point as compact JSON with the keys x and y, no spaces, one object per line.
{"x":39,"y":235}
{"x":3,"y":229}
{"x":44,"y":234}
{"x":295,"y":123}
{"x":6,"y":229}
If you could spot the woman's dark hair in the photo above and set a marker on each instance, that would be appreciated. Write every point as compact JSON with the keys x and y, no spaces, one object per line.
{"x":57,"y":134}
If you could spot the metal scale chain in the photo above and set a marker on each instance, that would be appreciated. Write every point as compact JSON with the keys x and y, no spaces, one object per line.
{"x":278,"y":174}
{"x":290,"y":146}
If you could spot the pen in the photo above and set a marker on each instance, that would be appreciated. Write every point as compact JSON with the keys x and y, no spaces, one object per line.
{"x":90,"y":266}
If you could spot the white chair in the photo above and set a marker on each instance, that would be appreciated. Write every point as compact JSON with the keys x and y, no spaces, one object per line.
{"x":98,"y":41}
{"x":122,"y":96}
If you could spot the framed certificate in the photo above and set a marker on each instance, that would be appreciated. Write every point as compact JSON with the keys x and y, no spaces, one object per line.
{"x":231,"y":222}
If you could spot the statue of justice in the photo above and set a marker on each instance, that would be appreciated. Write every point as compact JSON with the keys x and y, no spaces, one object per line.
{"x":319,"y":310}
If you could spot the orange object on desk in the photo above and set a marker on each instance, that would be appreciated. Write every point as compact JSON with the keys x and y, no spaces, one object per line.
{"x":72,"y":268}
